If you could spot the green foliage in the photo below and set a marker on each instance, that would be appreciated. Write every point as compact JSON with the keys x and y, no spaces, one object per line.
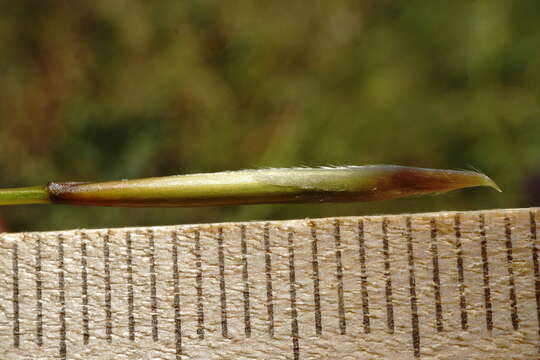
{"x":107,"y":90}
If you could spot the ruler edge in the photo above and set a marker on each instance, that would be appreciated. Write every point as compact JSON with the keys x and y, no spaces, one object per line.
{"x":442,"y":213}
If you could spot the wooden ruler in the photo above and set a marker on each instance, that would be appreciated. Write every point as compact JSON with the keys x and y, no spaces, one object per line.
{"x":443,"y":285}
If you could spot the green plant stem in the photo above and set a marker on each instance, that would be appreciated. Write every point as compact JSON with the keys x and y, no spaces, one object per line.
{"x":24,"y":195}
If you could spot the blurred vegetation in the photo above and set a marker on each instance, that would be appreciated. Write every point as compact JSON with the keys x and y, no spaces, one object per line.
{"x":105,"y":90}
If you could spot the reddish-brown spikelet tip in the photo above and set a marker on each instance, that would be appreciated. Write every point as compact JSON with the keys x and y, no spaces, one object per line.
{"x":441,"y":180}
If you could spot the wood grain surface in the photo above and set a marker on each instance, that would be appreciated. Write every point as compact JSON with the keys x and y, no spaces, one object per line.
{"x":444,"y":285}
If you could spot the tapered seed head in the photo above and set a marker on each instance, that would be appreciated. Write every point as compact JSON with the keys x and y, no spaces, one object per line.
{"x":295,"y":185}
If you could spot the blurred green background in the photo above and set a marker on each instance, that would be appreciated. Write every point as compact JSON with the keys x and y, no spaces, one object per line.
{"x":107,"y":90}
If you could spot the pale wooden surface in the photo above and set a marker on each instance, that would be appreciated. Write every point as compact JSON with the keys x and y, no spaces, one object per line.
{"x":325,"y":302}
